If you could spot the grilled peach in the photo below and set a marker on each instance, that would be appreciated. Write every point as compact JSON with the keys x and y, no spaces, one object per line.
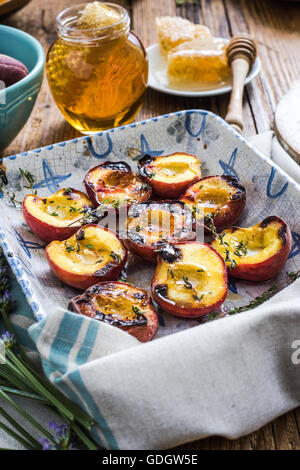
{"x":217,"y":199}
{"x":153,"y":223}
{"x":50,"y":217}
{"x":190,"y":279}
{"x":114,"y":183}
{"x":91,"y":255}
{"x":119,"y":304}
{"x":169,"y":175}
{"x":255,"y":253}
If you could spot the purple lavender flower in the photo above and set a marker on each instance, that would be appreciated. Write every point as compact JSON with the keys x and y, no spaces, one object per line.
{"x":46,"y":444}
{"x":6,"y":301}
{"x":8,"y":339}
{"x":61,"y":435}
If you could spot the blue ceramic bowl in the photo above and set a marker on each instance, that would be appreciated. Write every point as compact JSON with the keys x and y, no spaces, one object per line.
{"x":16,"y":101}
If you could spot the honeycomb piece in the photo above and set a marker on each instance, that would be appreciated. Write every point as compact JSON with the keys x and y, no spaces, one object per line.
{"x":174,"y":30}
{"x":202,"y":60}
{"x":97,"y":15}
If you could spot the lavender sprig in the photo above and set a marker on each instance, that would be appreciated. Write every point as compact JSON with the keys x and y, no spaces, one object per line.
{"x":62,"y":438}
{"x":9,"y":339}
{"x":19,"y":377}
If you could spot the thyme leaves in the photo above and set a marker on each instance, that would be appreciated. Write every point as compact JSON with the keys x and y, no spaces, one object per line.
{"x":257,"y":301}
{"x":28,"y":178}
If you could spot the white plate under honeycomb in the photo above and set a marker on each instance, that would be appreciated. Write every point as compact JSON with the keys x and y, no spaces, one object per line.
{"x":158,"y":77}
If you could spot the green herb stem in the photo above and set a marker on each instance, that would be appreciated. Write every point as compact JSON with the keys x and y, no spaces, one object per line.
{"x":85,"y":439}
{"x":22,"y":393}
{"x":17,"y":437}
{"x":38,"y":386}
{"x":20,"y":429}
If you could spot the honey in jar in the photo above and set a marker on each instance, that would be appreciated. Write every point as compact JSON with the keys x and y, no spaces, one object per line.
{"x":97,"y":69}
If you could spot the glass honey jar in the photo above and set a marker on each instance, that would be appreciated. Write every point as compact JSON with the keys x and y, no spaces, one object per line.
{"x":97,"y":76}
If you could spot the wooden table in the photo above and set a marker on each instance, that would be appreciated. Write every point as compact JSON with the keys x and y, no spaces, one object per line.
{"x":276,"y":27}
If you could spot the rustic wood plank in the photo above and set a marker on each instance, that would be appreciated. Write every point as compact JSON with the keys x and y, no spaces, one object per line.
{"x":275,"y":26}
{"x":286,"y":432}
{"x":46,"y":125}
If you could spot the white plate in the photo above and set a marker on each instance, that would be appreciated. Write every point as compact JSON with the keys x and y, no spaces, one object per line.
{"x":158,"y":76}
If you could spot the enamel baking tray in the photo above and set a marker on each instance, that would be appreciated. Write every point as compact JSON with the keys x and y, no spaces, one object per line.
{"x":270,"y":191}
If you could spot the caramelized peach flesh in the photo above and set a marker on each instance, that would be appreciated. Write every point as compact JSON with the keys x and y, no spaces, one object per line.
{"x":91,"y":255}
{"x":170,"y":175}
{"x":114,"y":183}
{"x":256,"y":253}
{"x":121,"y":305}
{"x":217,"y":199}
{"x":58,"y":216}
{"x":151,"y":224}
{"x":190,"y":280}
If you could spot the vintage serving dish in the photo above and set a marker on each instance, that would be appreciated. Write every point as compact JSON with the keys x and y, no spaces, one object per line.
{"x":270,"y":192}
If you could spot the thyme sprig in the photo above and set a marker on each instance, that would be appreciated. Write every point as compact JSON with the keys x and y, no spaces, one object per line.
{"x":220,"y":236}
{"x":136,"y":310}
{"x":4,"y":182}
{"x":241,"y":249}
{"x":28,"y":177}
{"x":259,"y":300}
{"x":69,"y":248}
{"x":115,"y":256}
{"x":187,"y":284}
{"x":92,"y":216}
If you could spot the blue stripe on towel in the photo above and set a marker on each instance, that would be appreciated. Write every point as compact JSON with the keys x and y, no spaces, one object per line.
{"x":64,"y":340}
{"x":62,"y":343}
{"x":76,"y":379}
{"x":88,"y":343}
{"x":95,"y":412}
{"x":59,"y":382}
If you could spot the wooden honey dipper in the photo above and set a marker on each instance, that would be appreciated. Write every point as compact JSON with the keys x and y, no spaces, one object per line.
{"x":241,"y":53}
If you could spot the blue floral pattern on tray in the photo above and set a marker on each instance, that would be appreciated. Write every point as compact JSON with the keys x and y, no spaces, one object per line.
{"x":222,"y":151}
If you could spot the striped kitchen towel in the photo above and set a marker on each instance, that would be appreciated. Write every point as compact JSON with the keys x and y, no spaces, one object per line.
{"x":228,"y":377}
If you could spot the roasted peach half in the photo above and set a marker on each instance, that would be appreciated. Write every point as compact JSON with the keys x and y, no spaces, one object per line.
{"x":153,"y":223}
{"x":91,"y":255}
{"x":114,"y":183}
{"x":50,"y":217}
{"x":190,"y":279}
{"x":217,"y":199}
{"x":169,"y":175}
{"x":255,"y":253}
{"x":119,"y":304}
